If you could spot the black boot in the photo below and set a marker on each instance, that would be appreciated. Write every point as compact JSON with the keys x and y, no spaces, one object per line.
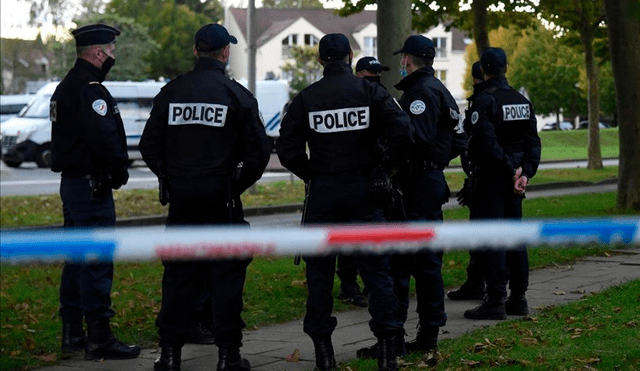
{"x":350,"y":292}
{"x":325,"y":358}
{"x":487,"y":310}
{"x":199,"y":334}
{"x":74,"y":338}
{"x":101,"y":344}
{"x":169,"y":359}
{"x":229,"y":360}
{"x":387,"y":354}
{"x":426,"y":340}
{"x":372,"y":351}
{"x":516,"y":305}
{"x":467,"y":292}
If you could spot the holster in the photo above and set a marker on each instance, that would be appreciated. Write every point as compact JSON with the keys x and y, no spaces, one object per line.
{"x":163,"y":190}
{"x":100,"y":184}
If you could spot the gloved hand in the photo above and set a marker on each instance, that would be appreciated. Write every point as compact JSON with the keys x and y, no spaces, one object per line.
{"x":463,"y":194}
{"x":119,"y":178}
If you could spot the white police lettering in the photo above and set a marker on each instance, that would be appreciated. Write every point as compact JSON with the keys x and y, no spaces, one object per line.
{"x":514,"y":112}
{"x":197,"y":114}
{"x":338,"y":120}
{"x":100,"y":106}
{"x":417,"y":107}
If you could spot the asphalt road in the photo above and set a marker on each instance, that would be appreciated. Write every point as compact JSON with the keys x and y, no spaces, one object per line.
{"x":31,"y":180}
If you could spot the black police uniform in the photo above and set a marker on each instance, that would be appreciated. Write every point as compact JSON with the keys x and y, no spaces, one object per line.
{"x":502,"y":137}
{"x":201,"y":127}
{"x":474,"y":286}
{"x":88,"y":145}
{"x":341,"y":118}
{"x":439,"y":138}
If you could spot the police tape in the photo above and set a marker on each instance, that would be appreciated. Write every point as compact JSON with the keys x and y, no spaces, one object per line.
{"x":189,"y":243}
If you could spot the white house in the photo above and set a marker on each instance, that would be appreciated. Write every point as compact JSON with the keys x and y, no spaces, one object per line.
{"x":278,"y":29}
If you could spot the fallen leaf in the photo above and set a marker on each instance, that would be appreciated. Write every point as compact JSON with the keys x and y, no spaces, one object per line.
{"x":559,"y":293}
{"x":52,"y":357}
{"x":529,"y":341}
{"x":293,"y":357}
{"x":607,"y":254}
{"x":631,"y":324}
{"x":617,"y":309}
{"x":469,"y":362}
{"x":588,"y":360}
{"x":452,"y":263}
{"x":578,"y":291}
{"x":298,"y":283}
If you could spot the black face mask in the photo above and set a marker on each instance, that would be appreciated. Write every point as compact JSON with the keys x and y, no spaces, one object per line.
{"x":373,"y":78}
{"x":107,"y":64}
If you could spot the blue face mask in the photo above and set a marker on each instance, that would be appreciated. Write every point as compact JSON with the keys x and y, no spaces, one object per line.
{"x":404,"y":72}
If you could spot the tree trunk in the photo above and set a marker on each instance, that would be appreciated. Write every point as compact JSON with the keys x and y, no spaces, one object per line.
{"x":480,"y":31}
{"x":594,"y":155}
{"x":394,"y":26}
{"x":624,"y":38}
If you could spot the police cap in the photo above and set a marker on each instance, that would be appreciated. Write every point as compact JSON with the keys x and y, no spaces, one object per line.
{"x":333,"y":47}
{"x":476,"y":71}
{"x":493,"y":59}
{"x":95,"y":34}
{"x":417,"y":45}
{"x":213,"y":37}
{"x":370,"y":64}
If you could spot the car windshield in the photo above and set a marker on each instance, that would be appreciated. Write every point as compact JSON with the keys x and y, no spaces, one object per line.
{"x":39,"y":108}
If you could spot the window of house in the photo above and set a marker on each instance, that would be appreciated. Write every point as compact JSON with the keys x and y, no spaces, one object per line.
{"x":287,"y":43}
{"x":441,"y":46}
{"x":310,"y":40}
{"x":441,"y":75}
{"x":371,"y":46}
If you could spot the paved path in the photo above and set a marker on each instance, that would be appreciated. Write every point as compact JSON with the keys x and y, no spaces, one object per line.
{"x":267,"y":347}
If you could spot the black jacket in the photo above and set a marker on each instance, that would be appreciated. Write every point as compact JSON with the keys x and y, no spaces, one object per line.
{"x":502,"y":131}
{"x":204,"y":124}
{"x":439,"y":136}
{"x":341,"y":117}
{"x":87,"y":134}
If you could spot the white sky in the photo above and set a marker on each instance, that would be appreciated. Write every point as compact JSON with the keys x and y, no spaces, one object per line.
{"x":15,"y":18}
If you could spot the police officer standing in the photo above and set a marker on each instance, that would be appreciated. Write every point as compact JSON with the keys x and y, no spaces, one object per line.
{"x":89,"y":148}
{"x":341,"y":118}
{"x":504,"y":150}
{"x":206,"y":143}
{"x":473,"y":287}
{"x":435,"y":118}
{"x":370,"y":68}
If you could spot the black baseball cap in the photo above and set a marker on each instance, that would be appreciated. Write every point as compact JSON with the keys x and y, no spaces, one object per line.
{"x":333,"y":47}
{"x":370,"y":64}
{"x":416,"y":45}
{"x":95,"y":34}
{"x":493,"y":59}
{"x":476,"y":71}
{"x":213,"y":37}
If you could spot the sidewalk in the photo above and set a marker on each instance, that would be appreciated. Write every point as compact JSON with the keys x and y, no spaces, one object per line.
{"x":266,"y":348}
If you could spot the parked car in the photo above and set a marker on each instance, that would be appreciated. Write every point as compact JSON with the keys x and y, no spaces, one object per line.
{"x":585,"y":124}
{"x":11,"y":105}
{"x":564,"y":125}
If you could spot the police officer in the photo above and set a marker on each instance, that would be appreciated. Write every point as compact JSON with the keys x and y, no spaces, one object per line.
{"x":504,"y":150}
{"x":435,"y":117}
{"x":370,"y":68}
{"x":206,"y":142}
{"x":341,"y":117}
{"x":89,"y":149}
{"x":473,"y":288}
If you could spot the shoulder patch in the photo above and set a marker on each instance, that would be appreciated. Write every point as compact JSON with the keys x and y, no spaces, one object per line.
{"x":417,"y":107}
{"x":100,"y":106}
{"x":474,"y":117}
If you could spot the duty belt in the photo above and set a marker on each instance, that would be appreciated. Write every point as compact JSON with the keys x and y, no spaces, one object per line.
{"x":426,"y":165}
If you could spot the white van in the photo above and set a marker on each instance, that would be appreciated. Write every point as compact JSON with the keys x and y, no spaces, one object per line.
{"x":27,"y":137}
{"x":11,"y":105}
{"x":272,"y":95}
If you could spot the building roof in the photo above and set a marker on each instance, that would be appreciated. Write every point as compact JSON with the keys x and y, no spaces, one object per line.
{"x":271,"y":21}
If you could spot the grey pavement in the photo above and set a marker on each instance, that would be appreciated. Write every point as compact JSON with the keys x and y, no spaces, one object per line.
{"x":267,"y":347}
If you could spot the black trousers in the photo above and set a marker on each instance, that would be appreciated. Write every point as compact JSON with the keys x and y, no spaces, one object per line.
{"x":202,"y":202}
{"x":493,"y":198}
{"x":85,"y":288}
{"x":424,"y":193}
{"x":341,"y":200}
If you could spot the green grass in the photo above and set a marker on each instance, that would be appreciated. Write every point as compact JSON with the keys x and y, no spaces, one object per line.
{"x":597,"y":332}
{"x":275,"y":290}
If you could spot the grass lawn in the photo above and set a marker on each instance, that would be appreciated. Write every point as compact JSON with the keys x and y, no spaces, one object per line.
{"x":275,"y":290}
